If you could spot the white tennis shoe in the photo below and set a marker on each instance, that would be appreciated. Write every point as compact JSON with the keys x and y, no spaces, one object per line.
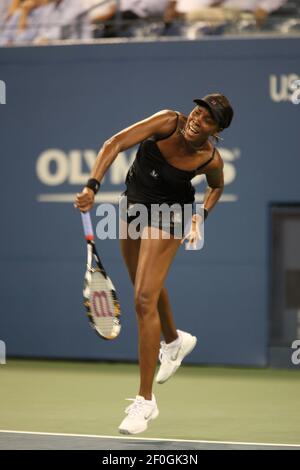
{"x":139,"y":413}
{"x":171,"y":356}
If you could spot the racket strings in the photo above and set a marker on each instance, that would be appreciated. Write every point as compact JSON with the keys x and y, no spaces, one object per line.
{"x":103,"y":305}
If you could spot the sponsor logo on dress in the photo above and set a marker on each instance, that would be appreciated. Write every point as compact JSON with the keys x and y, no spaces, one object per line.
{"x":154,"y":174}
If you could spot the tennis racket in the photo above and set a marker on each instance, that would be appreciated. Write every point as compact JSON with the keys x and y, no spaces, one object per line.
{"x":99,"y":294}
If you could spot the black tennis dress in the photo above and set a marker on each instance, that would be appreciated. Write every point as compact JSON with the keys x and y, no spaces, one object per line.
{"x":152,"y":180}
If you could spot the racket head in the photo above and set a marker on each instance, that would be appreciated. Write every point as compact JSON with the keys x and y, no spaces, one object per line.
{"x":100,"y":298}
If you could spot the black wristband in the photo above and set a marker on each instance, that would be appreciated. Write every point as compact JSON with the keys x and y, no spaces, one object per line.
{"x":205,"y":211}
{"x":93,"y":184}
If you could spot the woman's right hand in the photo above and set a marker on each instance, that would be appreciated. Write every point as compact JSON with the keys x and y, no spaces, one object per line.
{"x":85,"y":200}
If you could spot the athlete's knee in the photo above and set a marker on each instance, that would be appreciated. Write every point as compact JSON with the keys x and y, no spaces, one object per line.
{"x":145,"y":302}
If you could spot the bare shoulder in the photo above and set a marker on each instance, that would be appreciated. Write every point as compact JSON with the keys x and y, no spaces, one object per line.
{"x":161,"y":123}
{"x":168,"y":122}
{"x":167,"y":114}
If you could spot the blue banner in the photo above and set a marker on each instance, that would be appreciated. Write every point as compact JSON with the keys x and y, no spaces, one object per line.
{"x":58,"y":106}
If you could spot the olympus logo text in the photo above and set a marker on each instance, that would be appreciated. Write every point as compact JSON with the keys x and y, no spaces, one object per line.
{"x":56,"y":168}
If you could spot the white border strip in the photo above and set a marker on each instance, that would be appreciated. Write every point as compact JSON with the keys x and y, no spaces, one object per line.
{"x":150,"y":439}
{"x":113,"y":197}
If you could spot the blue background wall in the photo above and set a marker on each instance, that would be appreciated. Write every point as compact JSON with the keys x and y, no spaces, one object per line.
{"x":66,"y":101}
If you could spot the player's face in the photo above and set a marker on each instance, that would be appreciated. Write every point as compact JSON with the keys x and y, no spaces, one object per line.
{"x":200,"y":125}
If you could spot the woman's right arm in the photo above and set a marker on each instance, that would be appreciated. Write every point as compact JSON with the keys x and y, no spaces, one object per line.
{"x":159,"y":124}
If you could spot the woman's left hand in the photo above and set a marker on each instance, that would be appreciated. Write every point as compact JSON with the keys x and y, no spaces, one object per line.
{"x":194,"y":234}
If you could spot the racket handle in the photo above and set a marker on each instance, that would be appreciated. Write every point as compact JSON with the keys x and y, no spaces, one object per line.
{"x":87,"y":225}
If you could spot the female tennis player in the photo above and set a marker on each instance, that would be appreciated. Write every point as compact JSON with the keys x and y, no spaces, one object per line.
{"x":173,"y":149}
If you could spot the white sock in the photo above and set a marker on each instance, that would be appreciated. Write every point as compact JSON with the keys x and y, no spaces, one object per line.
{"x":174,"y":343}
{"x":150,"y":401}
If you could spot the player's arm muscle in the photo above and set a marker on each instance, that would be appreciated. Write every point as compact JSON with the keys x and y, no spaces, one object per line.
{"x":161,"y":124}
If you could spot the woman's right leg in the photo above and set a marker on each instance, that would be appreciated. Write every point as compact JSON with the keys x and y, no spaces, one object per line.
{"x":130,"y":252}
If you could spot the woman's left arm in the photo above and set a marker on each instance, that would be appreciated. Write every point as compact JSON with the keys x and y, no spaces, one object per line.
{"x":215,"y":182}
